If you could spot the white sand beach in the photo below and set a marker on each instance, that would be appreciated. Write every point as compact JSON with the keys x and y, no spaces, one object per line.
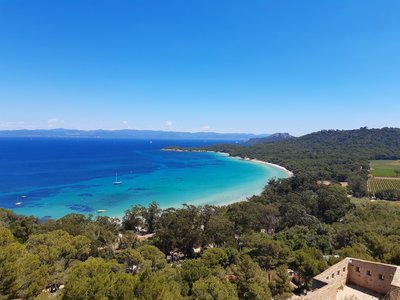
{"x":289,"y":173}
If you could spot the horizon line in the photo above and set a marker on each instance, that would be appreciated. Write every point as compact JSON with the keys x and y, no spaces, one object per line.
{"x":133,"y":129}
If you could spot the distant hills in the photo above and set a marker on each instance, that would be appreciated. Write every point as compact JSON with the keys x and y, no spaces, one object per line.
{"x":271,"y":138}
{"x":129,"y":134}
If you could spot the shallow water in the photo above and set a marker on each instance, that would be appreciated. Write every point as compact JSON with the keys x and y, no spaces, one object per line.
{"x":60,"y":176}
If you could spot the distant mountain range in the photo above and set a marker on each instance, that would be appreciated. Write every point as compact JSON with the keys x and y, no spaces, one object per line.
{"x":129,"y":134}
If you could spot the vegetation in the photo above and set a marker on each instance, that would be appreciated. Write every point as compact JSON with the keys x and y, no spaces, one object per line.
{"x":384,"y":182}
{"x":385,"y":168}
{"x":239,"y":251}
{"x":384,"y":188}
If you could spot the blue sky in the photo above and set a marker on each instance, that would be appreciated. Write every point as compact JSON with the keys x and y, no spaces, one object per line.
{"x":209,"y":65}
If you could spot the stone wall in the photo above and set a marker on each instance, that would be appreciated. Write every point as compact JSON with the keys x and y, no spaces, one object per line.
{"x":377,"y":277}
{"x":326,"y":284}
{"x":336,"y":274}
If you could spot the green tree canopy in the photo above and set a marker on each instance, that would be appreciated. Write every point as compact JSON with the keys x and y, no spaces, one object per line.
{"x":98,"y":279}
{"x":212,"y":288}
{"x":57,"y":249}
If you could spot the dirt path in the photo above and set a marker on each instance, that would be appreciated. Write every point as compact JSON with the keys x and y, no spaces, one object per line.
{"x":391,"y":178}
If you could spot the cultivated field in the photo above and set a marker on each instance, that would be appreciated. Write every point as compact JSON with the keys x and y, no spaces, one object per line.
{"x":385,"y":168}
{"x":376,"y":184}
{"x":384,"y":175}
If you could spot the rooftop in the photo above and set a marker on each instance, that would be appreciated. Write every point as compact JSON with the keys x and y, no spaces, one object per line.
{"x":353,"y":292}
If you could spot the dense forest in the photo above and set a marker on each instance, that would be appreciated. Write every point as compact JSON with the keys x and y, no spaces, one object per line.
{"x":239,"y":251}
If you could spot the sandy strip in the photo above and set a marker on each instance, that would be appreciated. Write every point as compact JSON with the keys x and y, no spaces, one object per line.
{"x":289,"y":173}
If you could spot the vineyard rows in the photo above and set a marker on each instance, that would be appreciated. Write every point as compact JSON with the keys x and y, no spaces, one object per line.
{"x":376,"y":184}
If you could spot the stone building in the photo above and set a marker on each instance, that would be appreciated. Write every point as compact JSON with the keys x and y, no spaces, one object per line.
{"x":356,"y":279}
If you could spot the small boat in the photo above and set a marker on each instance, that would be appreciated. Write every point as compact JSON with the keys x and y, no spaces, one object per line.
{"x":24,"y":197}
{"x":18,"y":203}
{"x":116,"y":182}
{"x":101,"y":211}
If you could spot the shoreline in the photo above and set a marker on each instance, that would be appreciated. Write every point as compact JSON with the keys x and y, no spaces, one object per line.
{"x":288,"y":172}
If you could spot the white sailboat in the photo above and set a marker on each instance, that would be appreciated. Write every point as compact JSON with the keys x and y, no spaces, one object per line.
{"x":116,"y":182}
{"x":19,"y":203}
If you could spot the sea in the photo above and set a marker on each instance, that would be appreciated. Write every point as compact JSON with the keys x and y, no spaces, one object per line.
{"x":51,"y":177}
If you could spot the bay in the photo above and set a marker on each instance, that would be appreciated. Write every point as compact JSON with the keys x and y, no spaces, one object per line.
{"x":54,"y":177}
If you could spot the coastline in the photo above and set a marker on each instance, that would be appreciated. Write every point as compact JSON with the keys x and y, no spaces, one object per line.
{"x":288,"y":172}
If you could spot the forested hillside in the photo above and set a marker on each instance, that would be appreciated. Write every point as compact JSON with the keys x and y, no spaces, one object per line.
{"x":269,"y":139}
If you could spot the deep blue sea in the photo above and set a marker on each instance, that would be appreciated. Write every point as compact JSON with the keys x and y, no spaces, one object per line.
{"x":53,"y":177}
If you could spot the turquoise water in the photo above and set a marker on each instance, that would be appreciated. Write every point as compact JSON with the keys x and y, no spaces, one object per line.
{"x":171,"y":179}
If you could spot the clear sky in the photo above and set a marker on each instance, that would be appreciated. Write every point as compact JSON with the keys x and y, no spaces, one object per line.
{"x":206,"y":65}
